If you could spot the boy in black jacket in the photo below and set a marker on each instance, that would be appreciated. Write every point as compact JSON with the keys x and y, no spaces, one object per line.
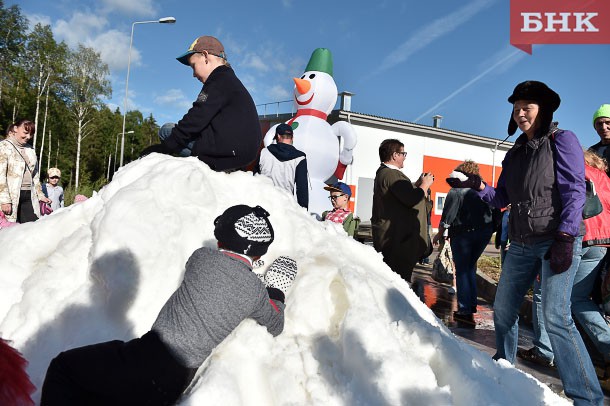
{"x":222,"y":127}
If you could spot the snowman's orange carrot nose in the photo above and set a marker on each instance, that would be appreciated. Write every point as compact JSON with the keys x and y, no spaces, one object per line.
{"x":303,"y":85}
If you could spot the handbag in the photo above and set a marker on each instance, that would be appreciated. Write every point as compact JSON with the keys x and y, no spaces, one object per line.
{"x":593,"y":206}
{"x":442,"y":267}
{"x":45,"y":209}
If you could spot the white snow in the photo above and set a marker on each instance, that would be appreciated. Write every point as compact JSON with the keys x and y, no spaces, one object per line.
{"x":355,"y":333}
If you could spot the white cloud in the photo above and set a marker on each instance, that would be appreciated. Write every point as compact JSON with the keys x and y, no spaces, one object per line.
{"x":175,"y":98}
{"x":90,"y":30}
{"x":131,"y":7}
{"x":250,"y":82}
{"x":279,"y":92}
{"x":113,"y":47}
{"x":34,"y":19}
{"x":131,"y":105}
{"x":80,"y":28}
{"x":428,"y":34}
{"x":509,"y":57}
{"x":256,"y":62}
{"x":500,"y":56}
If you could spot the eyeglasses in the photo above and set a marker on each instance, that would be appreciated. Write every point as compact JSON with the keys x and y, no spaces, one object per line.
{"x":403,"y":153}
{"x":335,"y":197}
{"x":54,"y":177}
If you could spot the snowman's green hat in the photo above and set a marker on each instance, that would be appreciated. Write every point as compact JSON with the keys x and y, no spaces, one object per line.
{"x":321,"y":60}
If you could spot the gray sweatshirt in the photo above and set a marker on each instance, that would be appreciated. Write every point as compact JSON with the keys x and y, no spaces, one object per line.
{"x":217,"y":292}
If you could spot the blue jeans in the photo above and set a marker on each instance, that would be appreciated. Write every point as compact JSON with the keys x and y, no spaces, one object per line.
{"x":519,"y":272}
{"x":166,"y":130}
{"x":584,"y":309}
{"x":502,"y":251}
{"x":467,"y":248}
{"x":542,"y":342}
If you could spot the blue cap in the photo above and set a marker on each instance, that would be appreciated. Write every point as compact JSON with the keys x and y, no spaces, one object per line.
{"x":339,"y":187}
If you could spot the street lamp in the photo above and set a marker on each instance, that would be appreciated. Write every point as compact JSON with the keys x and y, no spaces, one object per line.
{"x":164,"y":20}
{"x":116,"y":146}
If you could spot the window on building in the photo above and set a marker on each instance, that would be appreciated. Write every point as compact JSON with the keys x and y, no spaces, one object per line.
{"x":440,"y":203}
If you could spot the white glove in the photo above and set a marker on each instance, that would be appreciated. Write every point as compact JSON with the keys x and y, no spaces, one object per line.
{"x":281,"y":274}
{"x":459,"y":175}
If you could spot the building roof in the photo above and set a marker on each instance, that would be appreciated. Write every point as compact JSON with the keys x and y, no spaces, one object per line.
{"x":417,"y":129}
{"x":385,"y":123}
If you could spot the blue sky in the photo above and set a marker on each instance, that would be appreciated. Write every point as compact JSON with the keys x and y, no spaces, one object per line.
{"x":404,"y":60}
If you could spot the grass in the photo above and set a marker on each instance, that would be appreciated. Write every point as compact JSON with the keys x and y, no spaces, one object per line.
{"x":490,"y":266}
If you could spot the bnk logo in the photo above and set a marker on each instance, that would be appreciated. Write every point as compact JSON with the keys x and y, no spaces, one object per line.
{"x":559,"y":22}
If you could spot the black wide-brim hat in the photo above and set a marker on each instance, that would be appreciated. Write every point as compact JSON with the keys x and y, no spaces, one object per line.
{"x":538,"y":92}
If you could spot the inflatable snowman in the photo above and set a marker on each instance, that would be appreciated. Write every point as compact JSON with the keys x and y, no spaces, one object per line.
{"x":315,"y":95}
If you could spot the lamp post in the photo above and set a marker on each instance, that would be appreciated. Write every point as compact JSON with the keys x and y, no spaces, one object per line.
{"x":116,"y":145}
{"x":164,"y":20}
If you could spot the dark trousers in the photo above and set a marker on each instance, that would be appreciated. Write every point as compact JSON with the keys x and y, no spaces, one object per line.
{"x":25,"y":211}
{"x":467,"y":247}
{"x":402,"y":256}
{"x":138,"y":372}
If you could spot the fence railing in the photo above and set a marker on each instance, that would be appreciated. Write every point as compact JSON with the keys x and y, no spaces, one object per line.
{"x":280,"y":107}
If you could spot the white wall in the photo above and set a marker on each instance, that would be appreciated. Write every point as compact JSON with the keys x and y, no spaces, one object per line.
{"x":366,"y":158}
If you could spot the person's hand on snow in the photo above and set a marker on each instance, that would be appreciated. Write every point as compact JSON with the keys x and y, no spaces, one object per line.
{"x":279,"y":277}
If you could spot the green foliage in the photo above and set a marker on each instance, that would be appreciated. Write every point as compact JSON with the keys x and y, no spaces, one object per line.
{"x":77,"y":82}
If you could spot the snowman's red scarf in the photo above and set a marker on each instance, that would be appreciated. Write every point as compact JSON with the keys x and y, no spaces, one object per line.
{"x":309,"y":112}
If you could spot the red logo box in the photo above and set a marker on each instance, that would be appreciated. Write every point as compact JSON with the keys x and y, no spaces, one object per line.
{"x":559,"y":22}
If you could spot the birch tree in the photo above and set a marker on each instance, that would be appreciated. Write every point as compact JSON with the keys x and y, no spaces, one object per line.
{"x":44,"y":128}
{"x":45,"y":57}
{"x":86,"y":83}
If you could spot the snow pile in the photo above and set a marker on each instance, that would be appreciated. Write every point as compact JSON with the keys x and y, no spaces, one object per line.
{"x":355,"y":333}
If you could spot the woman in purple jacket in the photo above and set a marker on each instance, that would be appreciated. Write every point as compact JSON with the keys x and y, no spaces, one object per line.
{"x":543,"y":178}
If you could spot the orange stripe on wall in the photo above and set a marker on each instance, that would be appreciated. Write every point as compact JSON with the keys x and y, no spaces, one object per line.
{"x":441,"y":168}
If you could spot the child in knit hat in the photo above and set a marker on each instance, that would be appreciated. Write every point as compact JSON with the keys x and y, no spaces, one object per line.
{"x":218,"y":291}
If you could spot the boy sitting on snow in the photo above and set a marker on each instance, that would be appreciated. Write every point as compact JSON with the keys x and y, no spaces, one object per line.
{"x":218,"y":291}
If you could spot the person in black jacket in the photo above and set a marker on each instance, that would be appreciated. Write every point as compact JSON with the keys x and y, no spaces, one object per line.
{"x":222,"y":127}
{"x":470,"y":224}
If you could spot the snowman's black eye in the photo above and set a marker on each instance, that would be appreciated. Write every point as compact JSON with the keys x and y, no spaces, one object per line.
{"x":313,"y":75}
{"x":303,"y":77}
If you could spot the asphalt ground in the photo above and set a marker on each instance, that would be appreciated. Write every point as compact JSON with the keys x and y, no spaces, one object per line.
{"x":438,"y":297}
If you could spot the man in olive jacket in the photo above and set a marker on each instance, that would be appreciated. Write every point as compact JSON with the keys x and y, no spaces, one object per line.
{"x":399,"y":224}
